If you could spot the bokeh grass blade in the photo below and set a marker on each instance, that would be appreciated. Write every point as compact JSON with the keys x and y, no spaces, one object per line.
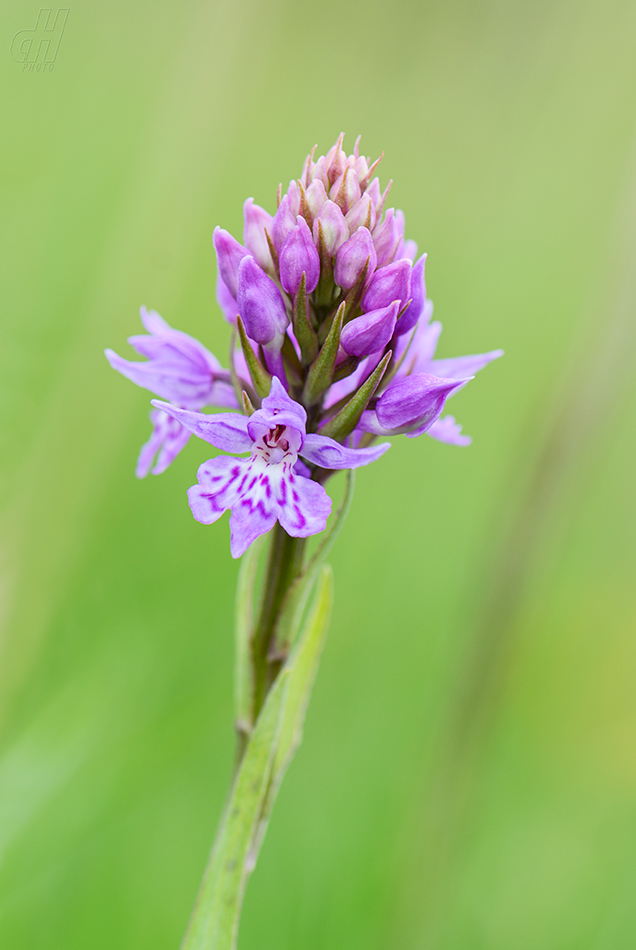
{"x":214,"y":922}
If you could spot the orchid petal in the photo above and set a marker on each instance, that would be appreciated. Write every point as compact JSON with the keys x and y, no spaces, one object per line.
{"x":326,"y":452}
{"x":225,"y":430}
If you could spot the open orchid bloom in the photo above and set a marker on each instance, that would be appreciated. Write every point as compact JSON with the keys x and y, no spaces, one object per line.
{"x":180,"y":369}
{"x":266,"y":487}
{"x":330,"y":307}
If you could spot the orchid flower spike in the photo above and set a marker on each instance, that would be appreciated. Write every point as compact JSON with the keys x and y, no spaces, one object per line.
{"x":336,"y":335}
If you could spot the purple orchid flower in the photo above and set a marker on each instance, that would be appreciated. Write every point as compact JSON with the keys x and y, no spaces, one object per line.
{"x":332,"y":227}
{"x":266,"y":487}
{"x":180,"y":369}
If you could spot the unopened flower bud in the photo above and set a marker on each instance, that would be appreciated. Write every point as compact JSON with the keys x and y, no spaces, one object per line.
{"x":298,"y":255}
{"x":386,"y":238}
{"x":370,"y":332}
{"x":360,"y":168}
{"x":319,"y":172}
{"x":345,"y":191}
{"x":257,"y":220}
{"x":293,"y":197}
{"x":335,"y":230}
{"x":388,"y":284}
{"x":336,"y":160}
{"x":229,"y":254}
{"x":282,"y":223}
{"x":417,"y":294}
{"x":315,"y":196}
{"x":415,"y":401}
{"x":361,"y":215}
{"x":352,"y":257}
{"x":260,"y":303}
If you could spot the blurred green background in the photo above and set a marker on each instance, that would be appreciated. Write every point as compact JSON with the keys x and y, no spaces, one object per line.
{"x":468,"y":775}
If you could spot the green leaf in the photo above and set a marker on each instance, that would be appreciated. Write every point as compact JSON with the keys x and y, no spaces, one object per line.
{"x":345,"y":421}
{"x":215,"y":919}
{"x":276,"y":736}
{"x":260,"y":377}
{"x":321,"y":370}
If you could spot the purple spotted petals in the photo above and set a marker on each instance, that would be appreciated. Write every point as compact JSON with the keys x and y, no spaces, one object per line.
{"x":364,"y":311}
{"x":265,"y":487}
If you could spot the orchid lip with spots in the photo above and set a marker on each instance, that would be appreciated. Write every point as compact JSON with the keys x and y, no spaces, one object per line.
{"x":333,"y":347}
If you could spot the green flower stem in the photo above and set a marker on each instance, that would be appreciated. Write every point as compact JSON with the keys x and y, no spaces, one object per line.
{"x":284,"y":564}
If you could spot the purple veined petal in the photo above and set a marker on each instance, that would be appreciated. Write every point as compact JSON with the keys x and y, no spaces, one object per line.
{"x":335,"y":229}
{"x":352,"y":257}
{"x":225,"y":300}
{"x":386,"y":237}
{"x":362,"y":214}
{"x":448,"y":431}
{"x":388,"y":284}
{"x":226,"y":430}
{"x":457,"y":367}
{"x":168,"y":438}
{"x":257,"y":221}
{"x":414,"y":402}
{"x":418,"y":299}
{"x":260,"y":303}
{"x":320,"y":450}
{"x":248,"y":523}
{"x":315,"y":196}
{"x":299,"y":256}
{"x":305,"y":506}
{"x":282,"y":223}
{"x":220,"y":483}
{"x":370,"y":332}
{"x":229,"y":254}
